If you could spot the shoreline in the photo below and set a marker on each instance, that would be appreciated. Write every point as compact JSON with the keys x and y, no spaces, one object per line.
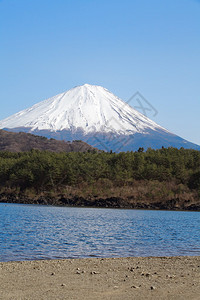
{"x":101,"y":207}
{"x":110,"y":202}
{"x":99,"y":258}
{"x":102,"y":278}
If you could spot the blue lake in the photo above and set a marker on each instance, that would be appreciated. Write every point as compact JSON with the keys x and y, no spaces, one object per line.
{"x":30,"y":232}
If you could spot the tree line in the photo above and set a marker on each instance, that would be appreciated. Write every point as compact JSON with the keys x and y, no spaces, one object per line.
{"x":44,"y":170}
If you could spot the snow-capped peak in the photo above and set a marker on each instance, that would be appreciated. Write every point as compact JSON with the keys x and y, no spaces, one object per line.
{"x":90,"y":108}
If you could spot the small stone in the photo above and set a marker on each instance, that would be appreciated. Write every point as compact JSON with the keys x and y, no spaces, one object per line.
{"x":152,"y":288}
{"x":63,"y":284}
{"x":83,"y":271}
{"x":116,"y":287}
{"x":135,"y":287}
{"x":52,"y":273}
{"x":147,"y":274}
{"x":78,"y":269}
{"x":78,"y":272}
{"x":94,"y":272}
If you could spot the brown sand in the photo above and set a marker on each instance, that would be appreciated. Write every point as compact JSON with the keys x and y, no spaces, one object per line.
{"x":97,"y":278}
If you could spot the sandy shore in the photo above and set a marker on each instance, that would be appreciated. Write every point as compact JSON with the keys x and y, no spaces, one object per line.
{"x":97,"y":278}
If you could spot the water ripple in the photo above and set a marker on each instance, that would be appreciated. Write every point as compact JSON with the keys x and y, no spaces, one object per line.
{"x":41,"y":232}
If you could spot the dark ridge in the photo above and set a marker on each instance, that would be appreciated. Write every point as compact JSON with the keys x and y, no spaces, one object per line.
{"x":20,"y":142}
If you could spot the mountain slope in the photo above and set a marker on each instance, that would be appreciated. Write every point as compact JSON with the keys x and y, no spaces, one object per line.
{"x":93,"y":114}
{"x":91,"y":108}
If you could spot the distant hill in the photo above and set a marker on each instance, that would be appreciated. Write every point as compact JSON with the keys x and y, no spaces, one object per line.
{"x":19,"y":142}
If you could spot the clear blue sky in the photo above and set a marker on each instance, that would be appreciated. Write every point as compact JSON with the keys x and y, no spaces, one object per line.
{"x":150,"y":46}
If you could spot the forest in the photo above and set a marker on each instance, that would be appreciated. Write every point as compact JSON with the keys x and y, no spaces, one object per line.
{"x":152,"y":176}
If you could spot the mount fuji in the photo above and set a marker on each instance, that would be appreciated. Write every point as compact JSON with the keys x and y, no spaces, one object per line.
{"x":93,"y":114}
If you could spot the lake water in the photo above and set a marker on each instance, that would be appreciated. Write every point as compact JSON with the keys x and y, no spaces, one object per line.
{"x":30,"y":232}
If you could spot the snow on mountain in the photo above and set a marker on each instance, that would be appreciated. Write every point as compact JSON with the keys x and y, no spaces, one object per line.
{"x":88,"y":107}
{"x":93,"y":114}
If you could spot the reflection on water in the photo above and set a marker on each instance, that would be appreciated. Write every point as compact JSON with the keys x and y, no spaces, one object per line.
{"x":43,"y":232}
